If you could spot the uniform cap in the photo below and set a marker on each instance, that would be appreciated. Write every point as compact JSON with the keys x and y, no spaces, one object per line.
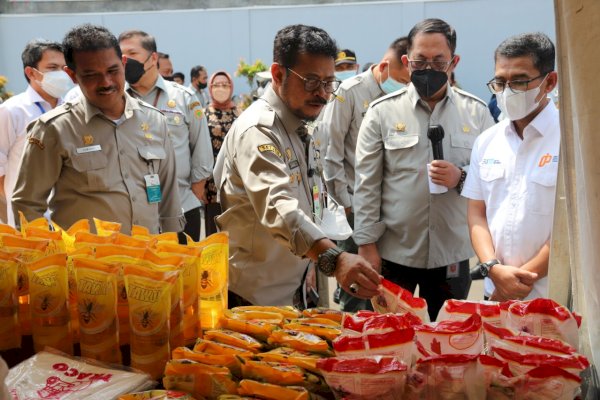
{"x":345,"y":56}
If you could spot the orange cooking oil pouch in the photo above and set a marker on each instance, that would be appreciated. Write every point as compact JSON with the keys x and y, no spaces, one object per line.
{"x":9,"y":230}
{"x":324,"y":331}
{"x":140,"y":232}
{"x":189,"y":270}
{"x":201,"y":380}
{"x":288,"y":312}
{"x":299,"y":358}
{"x":48,"y":290}
{"x":168,"y":237}
{"x":149,"y":297}
{"x":106,"y":228}
{"x":125,"y":240}
{"x":300,"y":341}
{"x":233,"y":338}
{"x":83,"y":238}
{"x":97,"y":310}
{"x":258,"y":328}
{"x":212,"y":347}
{"x":230,"y":361}
{"x":171,"y":263}
{"x":10,"y":331}
{"x":82,"y":252}
{"x":269,"y":391}
{"x":272,"y":372}
{"x":321,"y":312}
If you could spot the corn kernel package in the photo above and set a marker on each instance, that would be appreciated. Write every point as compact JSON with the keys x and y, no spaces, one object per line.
{"x":97,"y":306}
{"x":10,"y":331}
{"x":50,"y":318}
{"x":149,"y":297}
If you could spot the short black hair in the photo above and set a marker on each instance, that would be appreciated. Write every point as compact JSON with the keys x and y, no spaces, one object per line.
{"x":147,"y":41}
{"x":399,"y":47}
{"x":434,"y":25}
{"x":34,"y":51}
{"x":88,"y":37}
{"x":195,"y":71}
{"x":179,"y":75}
{"x":162,"y":55}
{"x":296,"y":39}
{"x":536,"y":45}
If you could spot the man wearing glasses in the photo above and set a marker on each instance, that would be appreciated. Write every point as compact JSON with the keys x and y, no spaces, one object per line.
{"x":415,"y":237}
{"x":512,"y":181}
{"x":268,"y":173}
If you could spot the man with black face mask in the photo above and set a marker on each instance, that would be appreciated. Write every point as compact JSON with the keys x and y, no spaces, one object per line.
{"x":199,"y":78}
{"x":414,"y":236}
{"x":185,"y":119}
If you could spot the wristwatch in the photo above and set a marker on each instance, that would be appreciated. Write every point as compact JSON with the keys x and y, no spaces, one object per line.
{"x":484,"y":267}
{"x":327,"y":260}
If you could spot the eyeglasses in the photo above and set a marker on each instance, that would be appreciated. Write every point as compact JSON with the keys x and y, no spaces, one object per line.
{"x":312,"y":84}
{"x":434,"y":65}
{"x":221,"y":85}
{"x":497,"y":87}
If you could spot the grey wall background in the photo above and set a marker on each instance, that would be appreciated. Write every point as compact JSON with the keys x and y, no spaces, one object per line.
{"x":218,"y":38}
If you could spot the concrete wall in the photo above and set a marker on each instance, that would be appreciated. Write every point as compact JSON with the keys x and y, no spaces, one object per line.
{"x":218,"y":38}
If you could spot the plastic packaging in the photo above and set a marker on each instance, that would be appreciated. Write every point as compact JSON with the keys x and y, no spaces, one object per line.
{"x":395,"y":299}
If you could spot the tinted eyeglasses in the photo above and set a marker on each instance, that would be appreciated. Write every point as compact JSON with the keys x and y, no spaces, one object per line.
{"x":312,"y":84}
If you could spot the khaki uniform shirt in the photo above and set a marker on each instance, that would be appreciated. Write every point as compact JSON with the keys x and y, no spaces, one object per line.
{"x":393,"y":206}
{"x":201,"y":95}
{"x":341,"y":122}
{"x":189,"y":134}
{"x":91,"y":166}
{"x":266,"y":193}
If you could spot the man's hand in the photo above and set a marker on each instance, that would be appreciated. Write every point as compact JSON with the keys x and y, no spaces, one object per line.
{"x":311,"y":278}
{"x":199,"y":192}
{"x":511,"y":283}
{"x":444,"y":173}
{"x":352,"y":268}
{"x":371,"y":254}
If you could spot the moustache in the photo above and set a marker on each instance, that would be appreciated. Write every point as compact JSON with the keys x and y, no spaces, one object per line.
{"x":105,"y":89}
{"x":318,"y":100}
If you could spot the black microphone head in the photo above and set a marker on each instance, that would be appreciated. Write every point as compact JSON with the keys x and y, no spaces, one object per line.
{"x":435,"y":133}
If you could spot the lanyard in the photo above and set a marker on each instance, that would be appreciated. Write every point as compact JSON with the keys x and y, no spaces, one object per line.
{"x":37,"y":103}
{"x":156,"y":98}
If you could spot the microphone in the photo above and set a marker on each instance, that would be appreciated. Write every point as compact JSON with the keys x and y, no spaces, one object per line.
{"x":435,"y":133}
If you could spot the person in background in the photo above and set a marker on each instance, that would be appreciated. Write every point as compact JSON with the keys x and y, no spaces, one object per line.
{"x":340,"y":124}
{"x":107,"y":155}
{"x":511,"y":184}
{"x":266,"y":174}
{"x":414,"y":236}
{"x":345,"y":64}
{"x":185,"y":120}
{"x":43,"y":63}
{"x":179,"y":78}
{"x":198,"y":84}
{"x":367,"y":66}
{"x":165,"y":66}
{"x":220,"y":114}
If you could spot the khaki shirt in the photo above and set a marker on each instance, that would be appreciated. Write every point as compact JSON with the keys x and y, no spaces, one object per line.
{"x":189,"y":134}
{"x":393,"y":206}
{"x":91,"y":167}
{"x":201,"y":95}
{"x":341,"y":122}
{"x":263,"y":178}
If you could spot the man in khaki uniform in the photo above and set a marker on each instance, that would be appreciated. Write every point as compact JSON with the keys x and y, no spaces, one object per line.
{"x":185,"y":121}
{"x":107,"y":155}
{"x":340,"y":124}
{"x":422,"y":238}
{"x":266,"y":175}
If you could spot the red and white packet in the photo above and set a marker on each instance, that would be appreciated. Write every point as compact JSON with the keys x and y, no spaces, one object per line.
{"x":459,"y":310}
{"x":521,"y":342}
{"x":547,"y":383}
{"x":370,"y":321}
{"x":379,"y":377}
{"x":521,"y":363}
{"x":544,"y":317}
{"x":394,"y":299}
{"x":451,"y":337}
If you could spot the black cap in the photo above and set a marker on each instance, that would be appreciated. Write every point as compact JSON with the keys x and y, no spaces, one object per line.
{"x":345,"y":56}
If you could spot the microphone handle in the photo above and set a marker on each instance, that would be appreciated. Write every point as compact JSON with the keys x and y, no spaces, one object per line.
{"x":438,"y":151}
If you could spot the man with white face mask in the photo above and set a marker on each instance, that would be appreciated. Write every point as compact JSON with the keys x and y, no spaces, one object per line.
{"x":43,"y":63}
{"x":340,"y":124}
{"x":512,"y":181}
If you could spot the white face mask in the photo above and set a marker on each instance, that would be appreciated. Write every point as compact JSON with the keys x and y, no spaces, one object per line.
{"x":518,"y":105}
{"x":334,"y":223}
{"x":56,"y":83}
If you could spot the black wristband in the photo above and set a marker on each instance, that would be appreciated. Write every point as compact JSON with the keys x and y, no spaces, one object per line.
{"x":461,"y":181}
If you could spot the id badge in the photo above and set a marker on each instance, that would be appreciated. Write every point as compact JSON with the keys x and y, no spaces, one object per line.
{"x":316,"y":201}
{"x":153,"y":188}
{"x":452,"y":271}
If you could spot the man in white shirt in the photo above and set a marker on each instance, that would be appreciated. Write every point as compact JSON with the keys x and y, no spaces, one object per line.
{"x":511,"y":184}
{"x":43,"y":63}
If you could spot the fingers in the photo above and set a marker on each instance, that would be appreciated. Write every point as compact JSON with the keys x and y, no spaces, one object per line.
{"x":526,"y":277}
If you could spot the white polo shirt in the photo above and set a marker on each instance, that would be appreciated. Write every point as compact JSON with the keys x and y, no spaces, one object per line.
{"x":517,"y":180}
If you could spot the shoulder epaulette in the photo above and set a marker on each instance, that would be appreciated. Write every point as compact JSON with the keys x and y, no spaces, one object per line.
{"x":388,"y":96}
{"x":55,"y":112}
{"x":467,"y":94}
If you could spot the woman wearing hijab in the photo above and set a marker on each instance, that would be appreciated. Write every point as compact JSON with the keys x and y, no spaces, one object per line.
{"x":220,"y":114}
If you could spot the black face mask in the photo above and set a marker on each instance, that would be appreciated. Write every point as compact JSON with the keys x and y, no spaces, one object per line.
{"x":202,"y":85}
{"x":428,"y":81}
{"x":134,"y":70}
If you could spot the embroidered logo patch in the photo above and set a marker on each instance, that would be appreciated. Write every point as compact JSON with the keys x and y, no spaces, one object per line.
{"x":269,"y":148}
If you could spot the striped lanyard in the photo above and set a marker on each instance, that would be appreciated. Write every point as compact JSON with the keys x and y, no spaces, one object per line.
{"x":39,"y":105}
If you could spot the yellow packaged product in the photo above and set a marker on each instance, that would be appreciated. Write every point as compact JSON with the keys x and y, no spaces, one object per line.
{"x":106,"y":228}
{"x":10,"y":331}
{"x":38,"y":223}
{"x":327,"y":332}
{"x":230,"y":361}
{"x":272,"y":372}
{"x":201,"y":380}
{"x":125,"y":240}
{"x":167,"y":237}
{"x":299,"y":341}
{"x":272,"y":392}
{"x":189,"y":271}
{"x":157,"y":395}
{"x":210,"y":347}
{"x":322,"y":312}
{"x":121,"y":256}
{"x":97,"y":307}
{"x":288,"y":312}
{"x":9,"y":230}
{"x":50,"y":318}
{"x":172,"y":263}
{"x":87,"y":252}
{"x":299,"y":358}
{"x":149,"y":297}
{"x":320,"y":321}
{"x":140,"y":232}
{"x":259,"y":329}
{"x":234,"y":339}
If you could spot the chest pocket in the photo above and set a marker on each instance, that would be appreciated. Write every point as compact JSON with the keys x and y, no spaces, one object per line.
{"x":541,"y":190}
{"x":174,"y":118}
{"x":398,"y":146}
{"x":152,"y":155}
{"x":492,"y":183}
{"x":462,"y":140}
{"x":93,"y":166}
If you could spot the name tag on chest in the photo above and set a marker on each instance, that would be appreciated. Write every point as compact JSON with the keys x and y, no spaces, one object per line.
{"x":89,"y":149}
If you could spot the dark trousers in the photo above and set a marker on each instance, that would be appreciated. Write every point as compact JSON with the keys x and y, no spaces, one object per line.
{"x":434,"y":286}
{"x":192,"y":226}
{"x":212,"y":210}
